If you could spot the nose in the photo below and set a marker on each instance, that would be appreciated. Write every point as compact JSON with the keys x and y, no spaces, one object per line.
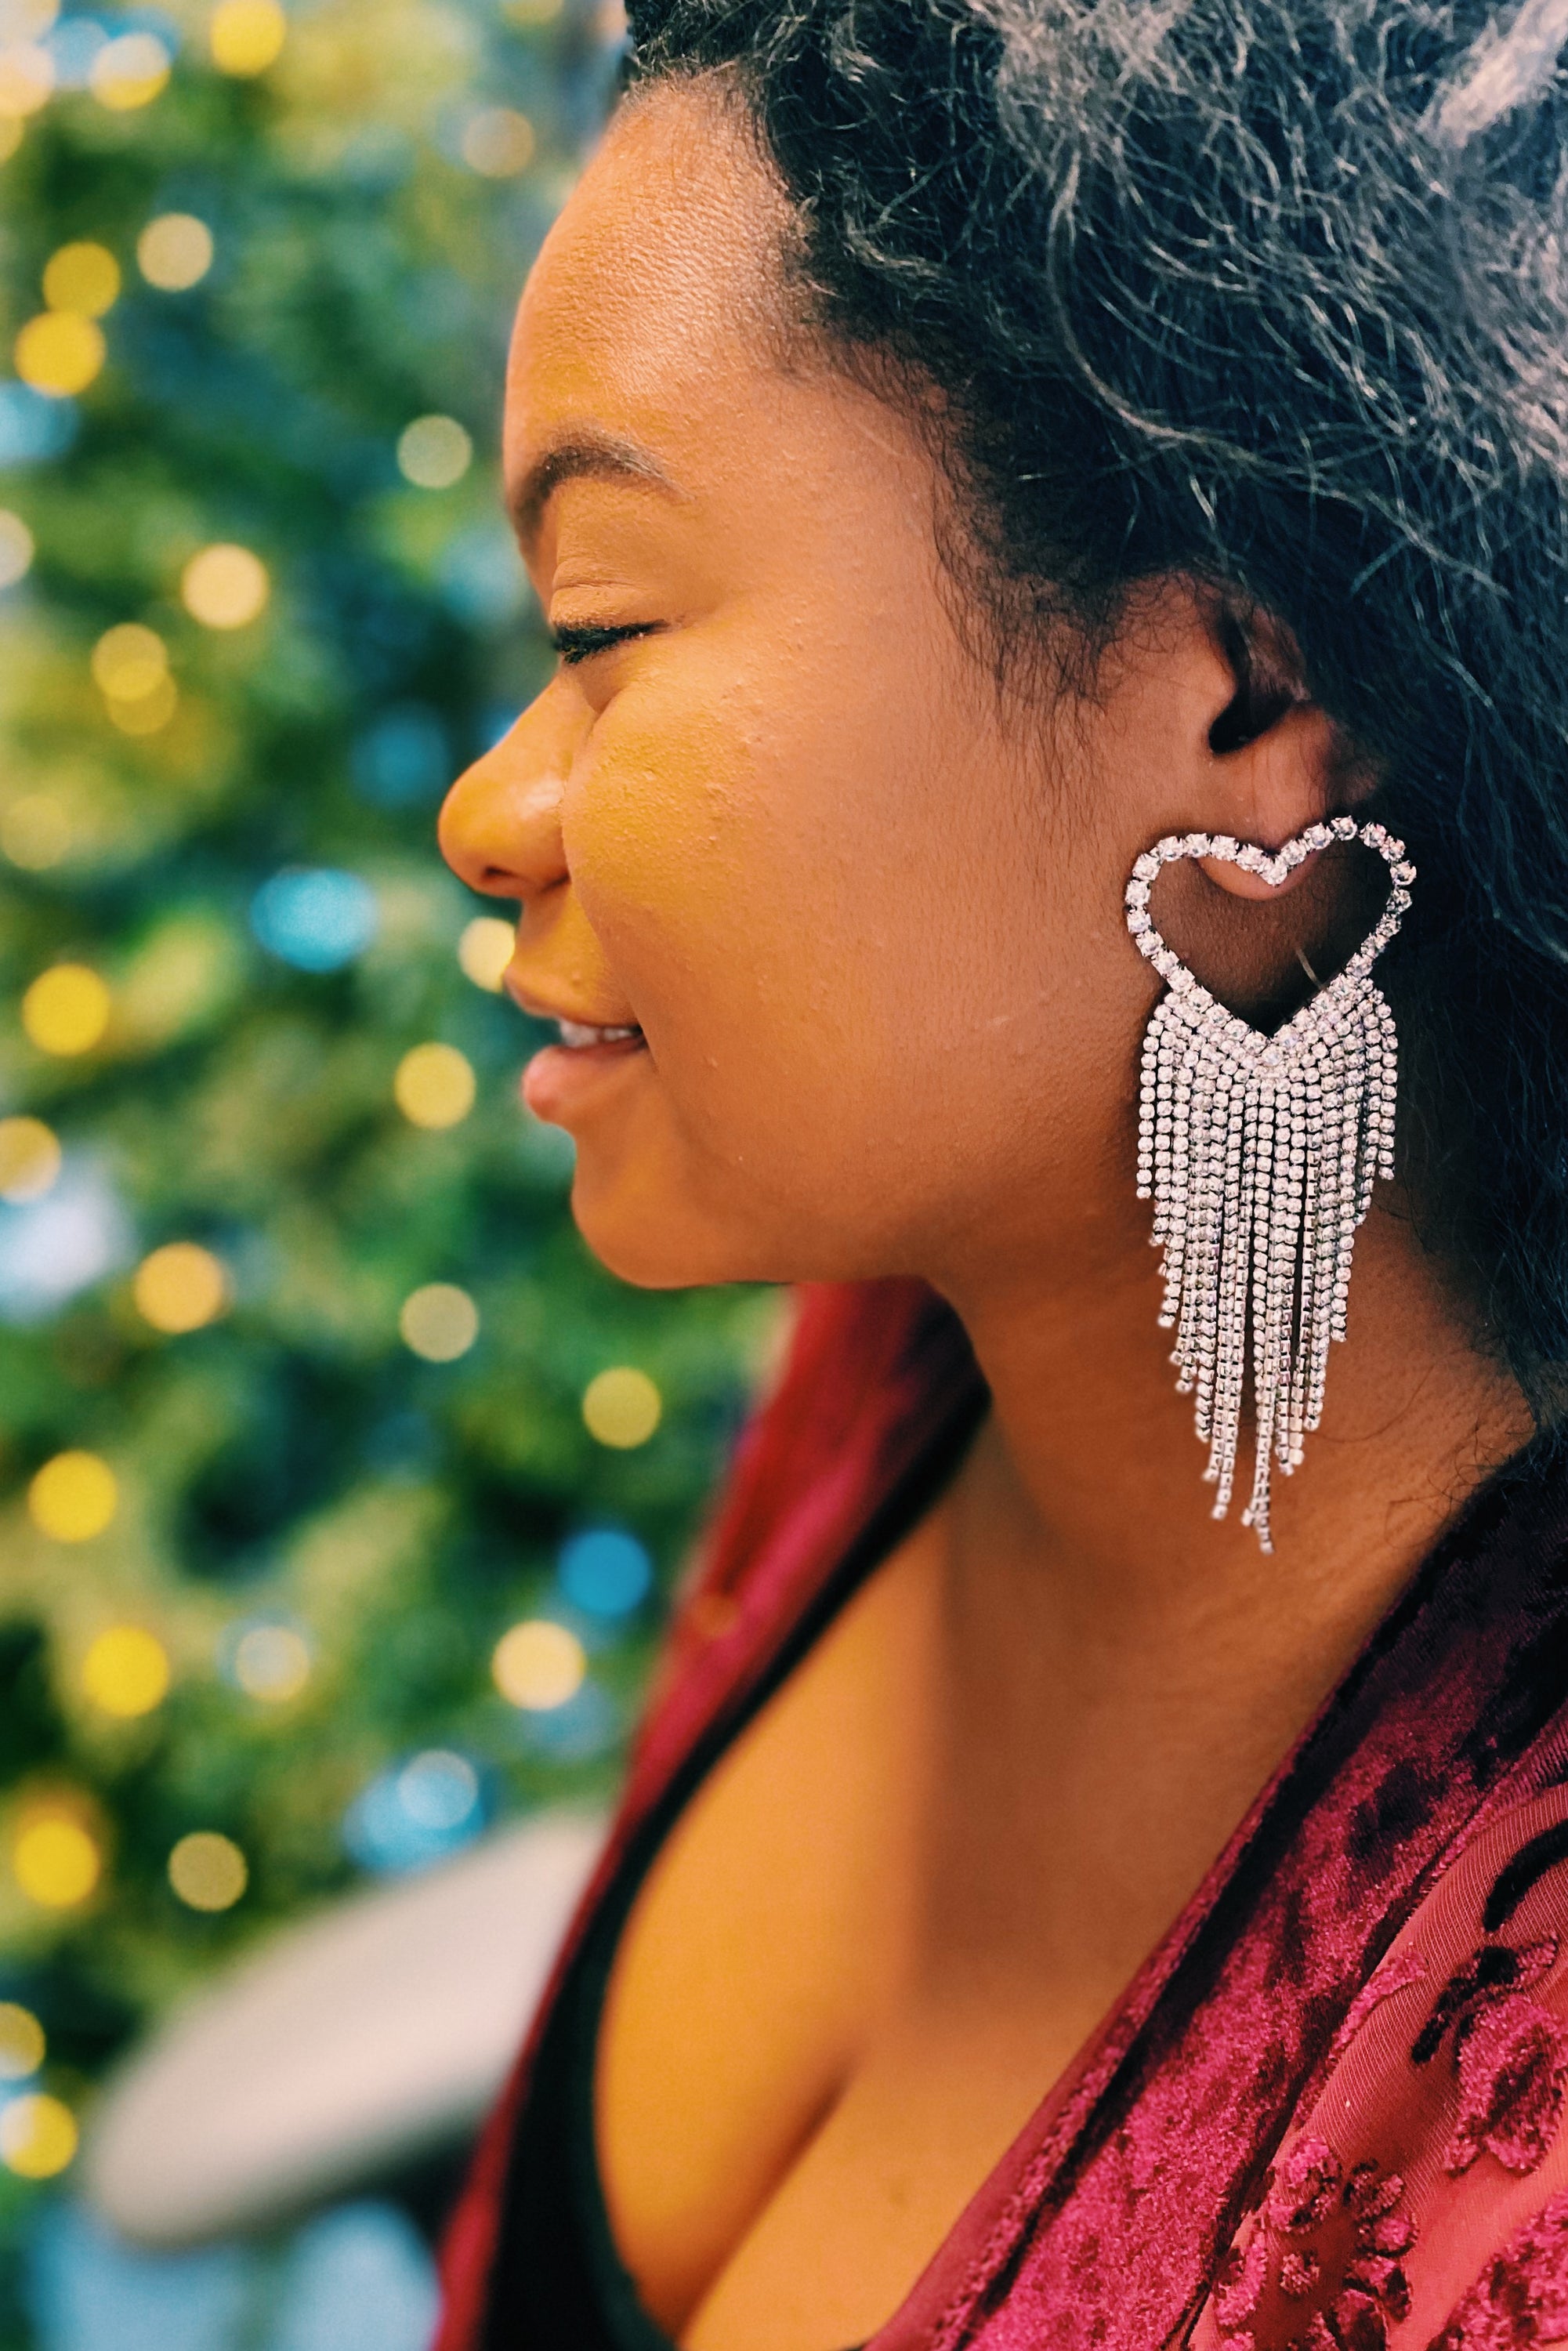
{"x":500,"y":824}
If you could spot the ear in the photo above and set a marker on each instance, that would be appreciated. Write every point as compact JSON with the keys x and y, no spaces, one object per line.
{"x":1277,"y":763}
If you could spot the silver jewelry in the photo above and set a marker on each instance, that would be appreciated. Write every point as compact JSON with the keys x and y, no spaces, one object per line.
{"x":1260,"y":1154}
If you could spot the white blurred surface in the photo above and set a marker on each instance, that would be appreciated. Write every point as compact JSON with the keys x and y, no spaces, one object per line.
{"x":367,"y":2035}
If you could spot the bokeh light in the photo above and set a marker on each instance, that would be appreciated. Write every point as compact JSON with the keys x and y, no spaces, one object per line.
{"x":208,"y":1872}
{"x":22,"y":2046}
{"x":74,"y":1497}
{"x":433,"y":451}
{"x":126,"y":1671}
{"x":34,"y":831}
{"x":316,"y":917}
{"x":439,"y":1789}
{"x":150,"y":714}
{"x":416,"y":1812}
{"x":129,"y":661}
{"x":622,"y":1407}
{"x":271,"y":1662}
{"x":439,"y":1322}
{"x":129,"y":71}
{"x":26,"y":78}
{"x":498,"y":142}
{"x":180,"y":1287}
{"x":82,"y":278}
{"x":29,"y":1158}
{"x":38,"y":2136}
{"x":174,"y":252}
{"x":538,"y":1665}
{"x":246,"y":36}
{"x":66,"y":1010}
{"x":605,"y":1571}
{"x":16,"y":549}
{"x":435,"y":1086}
{"x":485,"y":949}
{"x":224,"y":587}
{"x":59,"y":353}
{"x":55,"y":1859}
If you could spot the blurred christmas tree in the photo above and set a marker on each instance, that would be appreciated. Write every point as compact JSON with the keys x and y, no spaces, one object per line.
{"x":324,"y":1447}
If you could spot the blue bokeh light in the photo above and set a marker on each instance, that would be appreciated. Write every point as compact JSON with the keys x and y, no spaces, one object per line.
{"x":415,"y":1812}
{"x":404,"y":758}
{"x":605,"y":1571}
{"x":316,"y":917}
{"x":33,"y":426}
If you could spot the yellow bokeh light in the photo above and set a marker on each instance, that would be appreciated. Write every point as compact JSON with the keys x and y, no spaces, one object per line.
{"x":38,"y":2136}
{"x":82,"y":278}
{"x":180,"y":1287}
{"x":29,"y":1158}
{"x":16,"y":549}
{"x":622,"y":1407}
{"x":126,"y":1671}
{"x":246,"y":36}
{"x":538,"y":1665}
{"x":485,"y":950}
{"x":531,"y":12}
{"x":208,"y":1872}
{"x":272,"y":1662}
{"x":439,"y":1323}
{"x":224,"y":587}
{"x":56,"y":1861}
{"x":498,"y":142}
{"x":174,"y":252}
{"x":23,"y":2047}
{"x":435,"y":1086}
{"x":34,"y":831}
{"x":433,"y":451}
{"x":129,"y":661}
{"x":66,"y":1009}
{"x":149,"y":715}
{"x":59,"y":353}
{"x":73,"y":1497}
{"x":129,"y":71}
{"x":26,"y":78}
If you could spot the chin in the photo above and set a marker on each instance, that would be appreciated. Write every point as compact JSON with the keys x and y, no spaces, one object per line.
{"x":654,"y":1246}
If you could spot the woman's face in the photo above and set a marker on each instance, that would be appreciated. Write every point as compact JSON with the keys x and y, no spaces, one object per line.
{"x":770,"y":813}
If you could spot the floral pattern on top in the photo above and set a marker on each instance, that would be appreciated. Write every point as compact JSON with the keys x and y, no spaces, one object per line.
{"x":1419,"y":2201}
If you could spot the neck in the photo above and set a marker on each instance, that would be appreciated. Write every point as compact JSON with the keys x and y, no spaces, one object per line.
{"x":1092,"y":1465}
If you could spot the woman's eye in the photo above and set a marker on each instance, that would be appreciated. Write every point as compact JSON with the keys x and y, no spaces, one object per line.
{"x":574,"y":644}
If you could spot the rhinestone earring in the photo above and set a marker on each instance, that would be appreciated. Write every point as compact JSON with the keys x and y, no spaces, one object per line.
{"x":1260,"y":1154}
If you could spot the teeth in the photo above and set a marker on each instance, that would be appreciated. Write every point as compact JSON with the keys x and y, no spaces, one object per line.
{"x":583,"y":1033}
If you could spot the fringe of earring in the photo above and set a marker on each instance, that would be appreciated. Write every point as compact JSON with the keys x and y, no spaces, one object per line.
{"x":1260,"y":1154}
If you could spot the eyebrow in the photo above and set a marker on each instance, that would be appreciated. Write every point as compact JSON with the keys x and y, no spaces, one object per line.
{"x":585,"y":454}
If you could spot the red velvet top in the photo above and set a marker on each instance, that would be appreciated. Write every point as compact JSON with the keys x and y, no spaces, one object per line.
{"x":1327,"y":2114}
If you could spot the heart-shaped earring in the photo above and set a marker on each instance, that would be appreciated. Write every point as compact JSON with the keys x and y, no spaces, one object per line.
{"x":1259,"y":1153}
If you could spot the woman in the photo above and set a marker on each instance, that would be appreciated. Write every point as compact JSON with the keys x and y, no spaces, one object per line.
{"x":962,"y":446}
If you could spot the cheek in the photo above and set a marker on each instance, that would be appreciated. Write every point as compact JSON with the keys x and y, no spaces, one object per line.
{"x":770,"y":873}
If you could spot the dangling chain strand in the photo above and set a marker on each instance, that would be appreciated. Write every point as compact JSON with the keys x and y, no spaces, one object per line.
{"x":1260,"y":1154}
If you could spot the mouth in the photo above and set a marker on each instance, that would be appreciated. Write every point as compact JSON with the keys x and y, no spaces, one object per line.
{"x":579,"y":1035}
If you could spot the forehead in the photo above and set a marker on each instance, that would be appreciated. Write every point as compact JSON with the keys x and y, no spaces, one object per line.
{"x":654,"y":289}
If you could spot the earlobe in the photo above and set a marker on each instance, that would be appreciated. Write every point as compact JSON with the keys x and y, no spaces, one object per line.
{"x":1272,"y":787}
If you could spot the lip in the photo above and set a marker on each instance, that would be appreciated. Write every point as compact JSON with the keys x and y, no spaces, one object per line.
{"x":563,"y":1081}
{"x":557,"y":1008}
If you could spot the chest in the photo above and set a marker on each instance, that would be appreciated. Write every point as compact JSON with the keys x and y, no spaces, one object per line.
{"x":805,"y":2069}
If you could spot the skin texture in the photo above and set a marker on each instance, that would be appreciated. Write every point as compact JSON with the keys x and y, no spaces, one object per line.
{"x":866,"y":910}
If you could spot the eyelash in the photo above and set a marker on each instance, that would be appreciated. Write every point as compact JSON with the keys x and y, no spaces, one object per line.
{"x":579,"y":644}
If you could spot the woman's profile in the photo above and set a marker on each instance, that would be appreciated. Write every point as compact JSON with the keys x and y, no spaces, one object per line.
{"x":1051,"y":514}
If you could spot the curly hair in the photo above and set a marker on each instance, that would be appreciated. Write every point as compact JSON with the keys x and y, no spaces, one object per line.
{"x":1271,"y":295}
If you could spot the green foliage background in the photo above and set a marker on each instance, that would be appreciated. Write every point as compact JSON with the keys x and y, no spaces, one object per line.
{"x":294,"y":1457}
